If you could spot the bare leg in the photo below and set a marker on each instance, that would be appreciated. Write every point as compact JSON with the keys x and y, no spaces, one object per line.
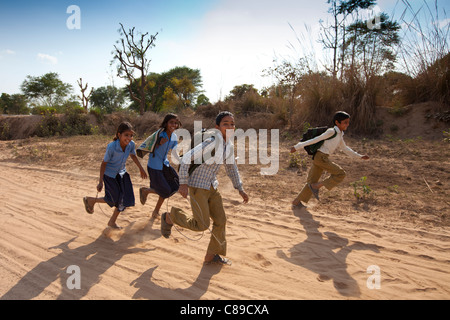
{"x":155,"y":213}
{"x":112,"y":221}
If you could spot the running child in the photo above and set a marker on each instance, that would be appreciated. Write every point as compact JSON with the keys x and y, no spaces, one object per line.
{"x":118,"y":187}
{"x":321,"y":161}
{"x":163,"y":178}
{"x":201,"y":184}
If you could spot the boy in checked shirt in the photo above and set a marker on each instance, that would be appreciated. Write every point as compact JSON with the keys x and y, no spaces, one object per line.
{"x":201,"y":185}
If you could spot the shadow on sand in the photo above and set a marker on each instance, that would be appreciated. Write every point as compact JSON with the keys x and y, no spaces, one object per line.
{"x":149,"y":289}
{"x":93,"y":259}
{"x":325,"y":254}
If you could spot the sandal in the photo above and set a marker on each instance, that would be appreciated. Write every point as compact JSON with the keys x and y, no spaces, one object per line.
{"x":219,"y":260}
{"x":86,"y":206}
{"x":166,"y":229}
{"x":315,"y":192}
{"x":141,"y":196}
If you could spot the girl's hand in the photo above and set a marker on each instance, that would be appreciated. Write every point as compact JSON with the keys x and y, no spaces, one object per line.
{"x":163,"y":140}
{"x":293,"y":150}
{"x":244,"y":196}
{"x":365,"y":157}
{"x":100,"y":186}
{"x":143,"y":174}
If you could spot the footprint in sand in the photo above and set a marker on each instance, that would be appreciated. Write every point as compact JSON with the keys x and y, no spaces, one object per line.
{"x":264,"y":262}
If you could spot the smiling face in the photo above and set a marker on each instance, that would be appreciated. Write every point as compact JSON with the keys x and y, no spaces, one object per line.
{"x":227,"y":123}
{"x":172,"y":125}
{"x":125,"y":138}
{"x":343,"y":125}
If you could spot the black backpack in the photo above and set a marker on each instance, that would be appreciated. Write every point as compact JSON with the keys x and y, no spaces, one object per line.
{"x":312,"y":133}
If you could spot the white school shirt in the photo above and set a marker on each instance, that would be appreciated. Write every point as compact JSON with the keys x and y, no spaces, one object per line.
{"x":205,"y":175}
{"x":331,"y":145}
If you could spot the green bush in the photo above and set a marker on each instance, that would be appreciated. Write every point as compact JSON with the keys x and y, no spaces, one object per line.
{"x":43,"y":110}
{"x":76,"y":123}
{"x":50,"y":126}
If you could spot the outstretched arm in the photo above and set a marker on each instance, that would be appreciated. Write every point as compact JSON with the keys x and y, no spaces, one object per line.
{"x":136,"y":161}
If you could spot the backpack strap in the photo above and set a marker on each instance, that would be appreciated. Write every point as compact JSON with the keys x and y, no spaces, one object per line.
{"x":333,"y":136}
{"x":194,"y":166}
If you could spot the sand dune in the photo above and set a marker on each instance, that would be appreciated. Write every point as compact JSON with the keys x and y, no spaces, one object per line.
{"x":277,"y":252}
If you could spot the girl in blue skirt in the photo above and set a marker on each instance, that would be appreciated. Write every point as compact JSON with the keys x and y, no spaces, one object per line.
{"x":163,"y":178}
{"x":118,"y":187}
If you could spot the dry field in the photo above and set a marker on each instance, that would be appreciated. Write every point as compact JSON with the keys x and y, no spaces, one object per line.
{"x":401,"y":226}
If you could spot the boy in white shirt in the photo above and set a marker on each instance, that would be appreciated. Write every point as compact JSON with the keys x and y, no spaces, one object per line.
{"x":341,"y":120}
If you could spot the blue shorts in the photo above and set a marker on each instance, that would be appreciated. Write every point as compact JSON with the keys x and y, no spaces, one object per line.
{"x":165,"y":182}
{"x":119,"y":191}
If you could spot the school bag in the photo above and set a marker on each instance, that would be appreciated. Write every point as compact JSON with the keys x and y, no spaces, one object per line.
{"x":312,"y":133}
{"x":149,"y":145}
{"x":204,"y":134}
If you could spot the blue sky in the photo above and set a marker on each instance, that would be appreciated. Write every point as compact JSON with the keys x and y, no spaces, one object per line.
{"x":230,"y":41}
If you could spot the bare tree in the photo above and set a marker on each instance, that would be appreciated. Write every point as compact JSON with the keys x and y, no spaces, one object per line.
{"x":83,"y":97}
{"x":131,"y":53}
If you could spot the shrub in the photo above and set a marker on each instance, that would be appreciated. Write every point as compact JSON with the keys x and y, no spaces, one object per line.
{"x":43,"y":110}
{"x":76,"y":123}
{"x":50,"y":126}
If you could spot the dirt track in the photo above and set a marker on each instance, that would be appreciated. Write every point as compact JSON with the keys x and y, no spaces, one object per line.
{"x":322,"y":252}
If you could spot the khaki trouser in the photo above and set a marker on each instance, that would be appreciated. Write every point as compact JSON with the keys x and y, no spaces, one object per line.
{"x":321,"y":163}
{"x":205,"y":204}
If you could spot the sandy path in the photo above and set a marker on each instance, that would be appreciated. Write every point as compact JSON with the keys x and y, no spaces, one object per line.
{"x":277,"y":253}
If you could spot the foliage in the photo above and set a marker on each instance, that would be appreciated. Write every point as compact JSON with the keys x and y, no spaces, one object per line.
{"x":131,"y":56}
{"x":371,"y":50}
{"x":184,"y":84}
{"x":446,"y":136}
{"x":238,"y":92}
{"x":47,"y":90}
{"x":42,"y":110}
{"x":108,"y":99}
{"x":5,"y":131}
{"x":424,"y":53}
{"x":360,"y":189}
{"x":75,"y":122}
{"x":49,"y":126}
{"x":13,"y":104}
{"x":297,"y":160}
{"x":202,"y":100}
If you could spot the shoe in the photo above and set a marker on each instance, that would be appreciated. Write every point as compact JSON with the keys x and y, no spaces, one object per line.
{"x":166,"y":229}
{"x":300,"y":205}
{"x":219,"y":260}
{"x":315,"y":192}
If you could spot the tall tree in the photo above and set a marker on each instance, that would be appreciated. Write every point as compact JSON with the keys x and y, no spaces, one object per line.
{"x":185,"y":83}
{"x":13,"y":104}
{"x":334,"y":36}
{"x":47,"y":90}
{"x":373,"y":48}
{"x":131,"y":53}
{"x":108,"y":99}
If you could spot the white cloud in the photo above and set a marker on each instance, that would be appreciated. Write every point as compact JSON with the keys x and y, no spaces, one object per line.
{"x":7,"y":52}
{"x":46,"y":58}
